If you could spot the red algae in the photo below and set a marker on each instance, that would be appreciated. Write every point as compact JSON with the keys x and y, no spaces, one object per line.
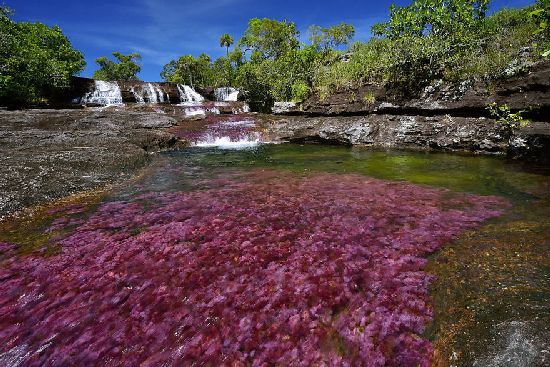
{"x":323,"y":269}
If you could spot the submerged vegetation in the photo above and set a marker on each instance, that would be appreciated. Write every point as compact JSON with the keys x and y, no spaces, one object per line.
{"x":272,"y":267}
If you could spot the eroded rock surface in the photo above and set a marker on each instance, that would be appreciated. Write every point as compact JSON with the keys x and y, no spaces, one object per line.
{"x":444,"y":132}
{"x":48,"y":154}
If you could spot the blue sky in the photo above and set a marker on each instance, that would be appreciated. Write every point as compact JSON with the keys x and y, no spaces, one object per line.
{"x":161,"y":30}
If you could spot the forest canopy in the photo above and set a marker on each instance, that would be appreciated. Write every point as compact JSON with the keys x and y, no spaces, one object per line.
{"x":35,"y":60}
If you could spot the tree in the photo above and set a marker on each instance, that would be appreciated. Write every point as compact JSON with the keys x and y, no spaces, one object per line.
{"x":189,"y":70}
{"x":34,"y":60}
{"x":127,"y":68}
{"x":270,"y":38}
{"x":432,"y":17}
{"x":335,"y":36}
{"x":429,"y":37}
{"x":226,"y":41}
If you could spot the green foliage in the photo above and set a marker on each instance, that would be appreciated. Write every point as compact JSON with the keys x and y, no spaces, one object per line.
{"x":441,"y":18}
{"x":34,"y":59}
{"x":368,"y":63}
{"x":226,"y":41}
{"x":189,"y":70}
{"x":278,"y":67}
{"x":542,"y":15}
{"x":369,"y":98}
{"x":434,"y":40}
{"x":496,"y":46}
{"x":127,"y":67}
{"x":332,"y":37}
{"x":269,"y":37}
{"x":258,"y":91}
{"x":300,"y":91}
{"x":505,"y":117}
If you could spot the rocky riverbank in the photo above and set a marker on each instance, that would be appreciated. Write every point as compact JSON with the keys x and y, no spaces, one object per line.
{"x":444,"y":117}
{"x":442,"y":132}
{"x":49,"y":154}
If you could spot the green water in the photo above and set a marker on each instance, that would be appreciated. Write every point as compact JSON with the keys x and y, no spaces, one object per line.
{"x":474,"y":174}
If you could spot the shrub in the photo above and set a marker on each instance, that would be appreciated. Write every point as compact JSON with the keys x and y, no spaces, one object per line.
{"x":428,"y":41}
{"x":506,"y":117}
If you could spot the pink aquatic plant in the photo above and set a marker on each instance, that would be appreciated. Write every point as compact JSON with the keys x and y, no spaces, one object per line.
{"x":234,"y":127}
{"x":277,"y":269}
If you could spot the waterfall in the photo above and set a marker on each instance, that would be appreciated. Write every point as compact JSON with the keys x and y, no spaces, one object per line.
{"x":188,"y":94}
{"x":153,"y":93}
{"x":139,"y":97}
{"x":226,"y":94}
{"x":105,"y":93}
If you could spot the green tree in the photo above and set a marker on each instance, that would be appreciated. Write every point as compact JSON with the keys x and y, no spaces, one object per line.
{"x":35,"y":60}
{"x":438,"y":17}
{"x":226,"y":41}
{"x":189,"y":70}
{"x":429,"y":37}
{"x":127,"y":67}
{"x":332,"y":37}
{"x":270,"y":38}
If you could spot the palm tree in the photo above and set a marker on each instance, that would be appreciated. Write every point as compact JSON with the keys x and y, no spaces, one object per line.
{"x":226,"y":41}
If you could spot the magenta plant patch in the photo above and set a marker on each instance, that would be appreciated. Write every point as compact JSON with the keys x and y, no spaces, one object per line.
{"x":234,"y":127}
{"x":277,"y":269}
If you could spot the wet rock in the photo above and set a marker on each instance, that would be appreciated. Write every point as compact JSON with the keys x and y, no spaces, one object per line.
{"x":516,"y":346}
{"x":391,"y":131}
{"x":283,"y":107}
{"x":48,"y":154}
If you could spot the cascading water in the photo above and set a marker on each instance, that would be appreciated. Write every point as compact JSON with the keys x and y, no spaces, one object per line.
{"x":153,"y":93}
{"x":138,"y":96}
{"x":188,"y":94}
{"x":226,"y":94}
{"x":225,"y":132}
{"x":105,"y":93}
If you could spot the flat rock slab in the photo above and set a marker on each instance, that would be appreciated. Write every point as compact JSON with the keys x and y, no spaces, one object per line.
{"x":49,"y":154}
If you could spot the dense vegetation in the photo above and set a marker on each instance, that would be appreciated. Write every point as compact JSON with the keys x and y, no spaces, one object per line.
{"x":427,"y":41}
{"x":35,"y":60}
{"x":126,"y":68}
{"x":439,"y":40}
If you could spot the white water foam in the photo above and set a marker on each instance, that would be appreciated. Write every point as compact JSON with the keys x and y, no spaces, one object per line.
{"x":105,"y":93}
{"x":153,"y":93}
{"x":188,"y":94}
{"x":226,"y":94}
{"x":139,"y":97}
{"x":247,"y":123}
{"x":225,"y":142}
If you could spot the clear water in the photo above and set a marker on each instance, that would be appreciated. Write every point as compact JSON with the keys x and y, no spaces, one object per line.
{"x":288,"y":254}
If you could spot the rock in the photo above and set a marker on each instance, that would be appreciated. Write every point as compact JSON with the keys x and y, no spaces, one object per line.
{"x":468,"y":98}
{"x":283,"y":107}
{"x":441,"y":132}
{"x":49,"y":154}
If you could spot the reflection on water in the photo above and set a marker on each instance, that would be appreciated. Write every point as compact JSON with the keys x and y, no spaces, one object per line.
{"x":287,"y":254}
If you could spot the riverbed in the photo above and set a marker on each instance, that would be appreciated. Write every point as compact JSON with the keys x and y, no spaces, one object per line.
{"x":238,"y":250}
